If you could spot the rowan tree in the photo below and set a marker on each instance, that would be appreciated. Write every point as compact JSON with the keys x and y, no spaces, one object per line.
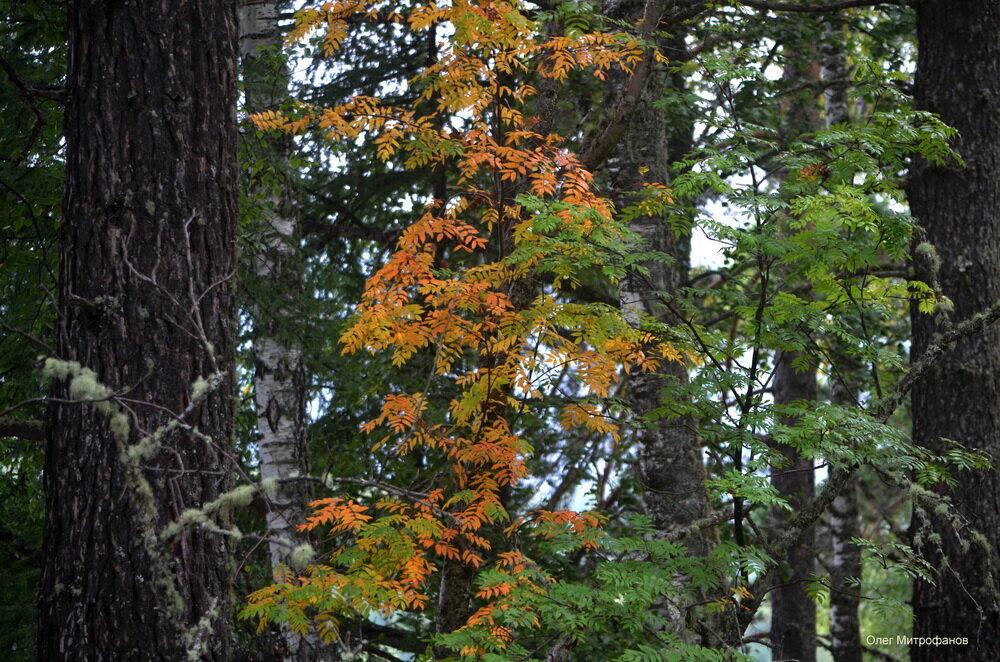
{"x":525,"y":210}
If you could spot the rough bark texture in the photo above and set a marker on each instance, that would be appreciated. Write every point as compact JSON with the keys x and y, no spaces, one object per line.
{"x":671,"y":466}
{"x":844,"y":525}
{"x":146,"y":304}
{"x":793,"y":613}
{"x":957,"y":77}
{"x":845,"y":628}
{"x":279,"y":373}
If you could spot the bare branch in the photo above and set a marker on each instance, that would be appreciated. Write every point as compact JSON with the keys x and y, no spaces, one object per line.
{"x":22,"y":429}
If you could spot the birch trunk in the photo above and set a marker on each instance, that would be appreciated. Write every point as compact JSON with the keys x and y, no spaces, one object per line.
{"x":279,"y":375}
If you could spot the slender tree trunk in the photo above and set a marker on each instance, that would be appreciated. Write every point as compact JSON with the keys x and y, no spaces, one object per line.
{"x":845,"y":627}
{"x":845,"y":563}
{"x":845,"y":567}
{"x":958,"y":77}
{"x":793,"y":612}
{"x":136,"y":565}
{"x":279,"y":373}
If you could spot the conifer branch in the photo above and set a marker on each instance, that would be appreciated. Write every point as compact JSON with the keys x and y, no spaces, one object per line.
{"x":820,"y":8}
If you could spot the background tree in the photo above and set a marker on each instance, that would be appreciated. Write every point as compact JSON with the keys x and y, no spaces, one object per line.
{"x":275,"y":279}
{"x":845,"y":561}
{"x":793,"y":611}
{"x":670,"y":463}
{"x":834,"y":181}
{"x":135,"y":564}
{"x":32,"y":67}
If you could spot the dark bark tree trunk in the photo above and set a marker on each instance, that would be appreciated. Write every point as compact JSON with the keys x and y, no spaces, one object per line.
{"x":793,"y":613}
{"x":671,"y":463}
{"x":844,"y":526}
{"x":958,"y":77}
{"x":845,"y":568}
{"x":136,"y":565}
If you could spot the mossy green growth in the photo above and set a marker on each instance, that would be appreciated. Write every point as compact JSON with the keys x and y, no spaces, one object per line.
{"x":120,"y":426}
{"x":85,"y":386}
{"x":238,"y":497}
{"x":269,"y":486}
{"x":944,"y":305}
{"x":199,"y":389}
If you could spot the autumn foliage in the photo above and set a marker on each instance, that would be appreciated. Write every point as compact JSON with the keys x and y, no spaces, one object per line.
{"x":472,"y":289}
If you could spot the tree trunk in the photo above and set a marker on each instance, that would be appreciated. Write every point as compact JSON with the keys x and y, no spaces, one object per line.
{"x":279,"y":373}
{"x":793,"y":613}
{"x":136,"y":564}
{"x":845,"y":565}
{"x":958,"y":77}
{"x":671,"y":469}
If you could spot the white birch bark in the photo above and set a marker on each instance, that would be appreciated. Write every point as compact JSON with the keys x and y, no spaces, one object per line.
{"x":279,"y":376}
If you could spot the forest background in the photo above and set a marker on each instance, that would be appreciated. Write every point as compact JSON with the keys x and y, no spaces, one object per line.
{"x":440,"y":281}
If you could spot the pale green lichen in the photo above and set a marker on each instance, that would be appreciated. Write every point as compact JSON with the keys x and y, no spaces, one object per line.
{"x":926,"y":250}
{"x":85,"y":386}
{"x":944,"y":305}
{"x":120,"y":426}
{"x":141,"y":451}
{"x":59,"y":369}
{"x":269,"y":486}
{"x":199,"y":389}
{"x":302,"y":556}
{"x":187,"y":519}
{"x":238,"y":497}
